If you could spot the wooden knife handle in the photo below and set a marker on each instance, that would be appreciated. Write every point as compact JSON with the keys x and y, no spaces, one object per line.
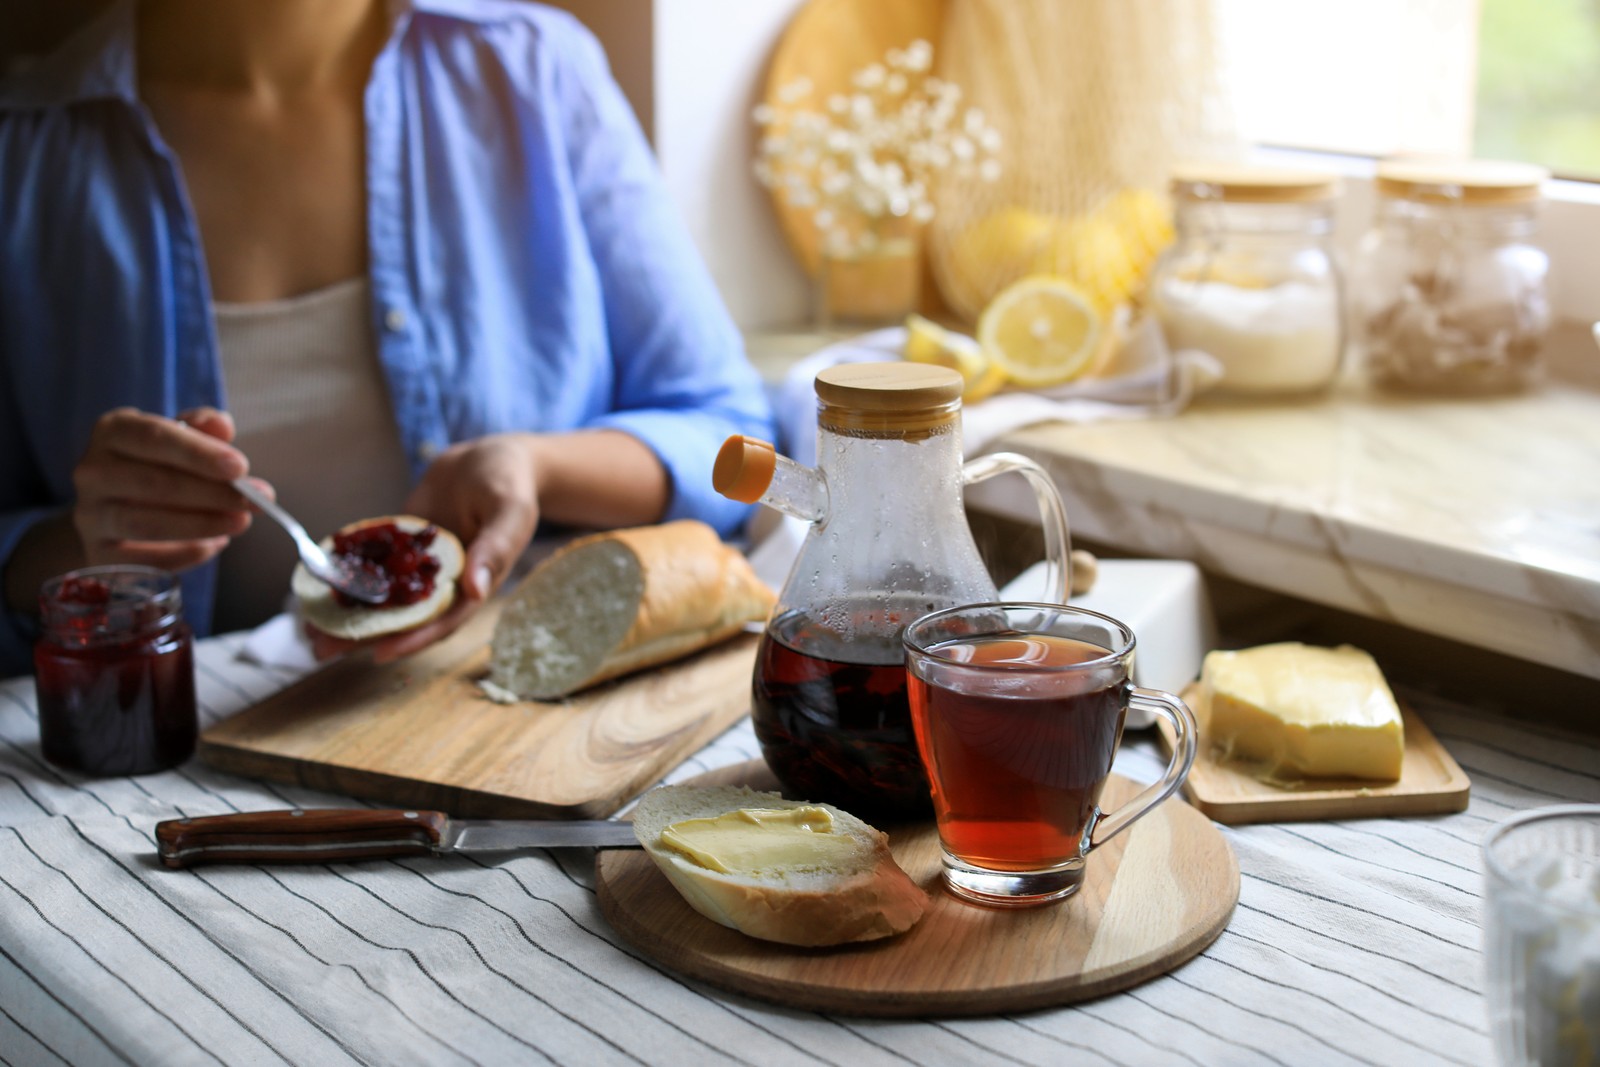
{"x":299,"y":836}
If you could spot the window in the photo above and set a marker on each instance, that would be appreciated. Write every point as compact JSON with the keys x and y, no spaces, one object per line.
{"x":1349,"y":81}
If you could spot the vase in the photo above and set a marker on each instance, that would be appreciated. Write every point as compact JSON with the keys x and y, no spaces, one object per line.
{"x":873,"y":284}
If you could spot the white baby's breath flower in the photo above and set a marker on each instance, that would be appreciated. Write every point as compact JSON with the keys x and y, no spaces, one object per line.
{"x":868,"y":77}
{"x":870,"y":153}
{"x":794,"y":91}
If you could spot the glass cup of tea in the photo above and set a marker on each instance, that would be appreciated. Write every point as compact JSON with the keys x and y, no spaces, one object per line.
{"x":1018,"y":710}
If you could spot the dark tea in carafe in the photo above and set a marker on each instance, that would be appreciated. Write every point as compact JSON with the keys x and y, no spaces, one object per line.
{"x":833,"y":719}
{"x":1018,"y":763}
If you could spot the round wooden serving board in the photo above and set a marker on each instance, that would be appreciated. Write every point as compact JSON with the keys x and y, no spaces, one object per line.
{"x":1153,"y":898}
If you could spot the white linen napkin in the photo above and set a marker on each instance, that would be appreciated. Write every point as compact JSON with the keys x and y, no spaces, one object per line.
{"x":1153,"y":383}
{"x":279,"y":642}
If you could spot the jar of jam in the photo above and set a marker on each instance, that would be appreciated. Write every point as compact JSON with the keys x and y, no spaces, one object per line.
{"x":114,"y":671}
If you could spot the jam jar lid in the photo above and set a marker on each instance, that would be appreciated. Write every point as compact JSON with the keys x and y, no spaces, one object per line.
{"x":1251,"y":183}
{"x":1478,"y":181}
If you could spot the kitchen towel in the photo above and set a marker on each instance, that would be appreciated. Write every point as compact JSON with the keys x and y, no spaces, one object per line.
{"x":1153,"y":382}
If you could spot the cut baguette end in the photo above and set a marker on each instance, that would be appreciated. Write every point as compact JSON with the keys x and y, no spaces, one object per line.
{"x":319,"y":608}
{"x":612,"y":603}
{"x":863,"y":899}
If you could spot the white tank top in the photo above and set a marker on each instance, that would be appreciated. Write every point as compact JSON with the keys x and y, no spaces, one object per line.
{"x":312,"y":412}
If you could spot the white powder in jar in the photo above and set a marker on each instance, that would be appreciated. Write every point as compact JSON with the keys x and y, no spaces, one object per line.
{"x":1275,"y":339}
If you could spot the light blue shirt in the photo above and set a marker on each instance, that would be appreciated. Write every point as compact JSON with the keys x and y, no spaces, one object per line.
{"x":527,"y":268}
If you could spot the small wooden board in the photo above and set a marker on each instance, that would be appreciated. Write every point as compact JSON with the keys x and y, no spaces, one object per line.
{"x":419,"y":733}
{"x":1153,"y":897}
{"x":1431,"y":783}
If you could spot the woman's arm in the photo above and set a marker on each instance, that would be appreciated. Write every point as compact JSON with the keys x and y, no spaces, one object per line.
{"x":682,"y":382}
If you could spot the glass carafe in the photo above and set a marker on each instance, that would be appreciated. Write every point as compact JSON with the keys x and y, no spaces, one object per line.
{"x":888,"y":543}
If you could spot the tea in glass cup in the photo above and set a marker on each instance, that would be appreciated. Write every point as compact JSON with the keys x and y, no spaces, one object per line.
{"x":1018,"y":709}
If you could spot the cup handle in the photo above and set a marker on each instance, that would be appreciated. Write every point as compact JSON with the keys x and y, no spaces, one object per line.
{"x":1057,"y":535}
{"x":1184,"y":731}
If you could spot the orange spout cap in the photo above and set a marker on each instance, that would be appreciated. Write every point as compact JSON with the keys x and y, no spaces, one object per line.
{"x":744,"y":468}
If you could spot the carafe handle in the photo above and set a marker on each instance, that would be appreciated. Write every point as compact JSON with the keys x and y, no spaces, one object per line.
{"x":1057,"y":535}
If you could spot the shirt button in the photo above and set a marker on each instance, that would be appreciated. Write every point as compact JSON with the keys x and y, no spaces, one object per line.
{"x":428,"y":449}
{"x":394,"y":320}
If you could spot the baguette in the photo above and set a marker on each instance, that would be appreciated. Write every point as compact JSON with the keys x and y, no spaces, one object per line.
{"x":863,"y":898}
{"x":361,"y":622}
{"x":616,"y":602}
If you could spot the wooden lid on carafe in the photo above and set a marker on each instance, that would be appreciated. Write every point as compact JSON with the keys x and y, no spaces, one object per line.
{"x":888,"y":399}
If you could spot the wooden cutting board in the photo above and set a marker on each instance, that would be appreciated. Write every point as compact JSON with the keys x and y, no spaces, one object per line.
{"x":1431,"y":783}
{"x":1153,"y":897}
{"x":418,"y":733}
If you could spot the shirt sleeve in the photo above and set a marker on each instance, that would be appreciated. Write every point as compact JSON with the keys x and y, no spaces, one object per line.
{"x":683,"y":383}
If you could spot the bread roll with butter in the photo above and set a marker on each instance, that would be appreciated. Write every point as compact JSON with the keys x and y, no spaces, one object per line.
{"x":616,"y":602}
{"x":1294,"y":711}
{"x":319,"y":607}
{"x":852,"y":890}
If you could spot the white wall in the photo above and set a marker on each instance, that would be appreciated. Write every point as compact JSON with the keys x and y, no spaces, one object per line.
{"x":693,"y":69}
{"x":711,"y":59}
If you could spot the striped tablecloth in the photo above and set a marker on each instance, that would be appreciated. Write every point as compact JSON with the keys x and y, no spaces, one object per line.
{"x":1353,"y":942}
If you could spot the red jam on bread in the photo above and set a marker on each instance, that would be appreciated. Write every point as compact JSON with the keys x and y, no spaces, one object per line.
{"x":399,"y":557}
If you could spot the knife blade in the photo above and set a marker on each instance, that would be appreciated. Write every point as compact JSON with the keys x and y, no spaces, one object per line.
{"x":317,"y":835}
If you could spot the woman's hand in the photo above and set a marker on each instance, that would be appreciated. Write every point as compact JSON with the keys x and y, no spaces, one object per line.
{"x":486,"y":492}
{"x":156,"y":491}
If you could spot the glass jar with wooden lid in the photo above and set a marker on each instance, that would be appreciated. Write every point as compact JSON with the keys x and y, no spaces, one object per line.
{"x":1449,"y":292}
{"x":1252,"y":279}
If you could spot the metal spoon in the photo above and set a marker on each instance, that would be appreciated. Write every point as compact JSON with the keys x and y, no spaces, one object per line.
{"x":353,"y":583}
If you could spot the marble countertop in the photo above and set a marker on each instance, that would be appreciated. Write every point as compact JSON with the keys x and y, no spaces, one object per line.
{"x":1474,"y":520}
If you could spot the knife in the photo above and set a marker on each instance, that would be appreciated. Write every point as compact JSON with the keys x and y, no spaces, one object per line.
{"x":318,"y":835}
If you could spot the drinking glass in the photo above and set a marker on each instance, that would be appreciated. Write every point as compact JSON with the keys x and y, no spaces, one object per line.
{"x":1542,"y":936}
{"x":1018,"y":709}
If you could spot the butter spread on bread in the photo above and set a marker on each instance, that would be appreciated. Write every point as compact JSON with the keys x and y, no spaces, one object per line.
{"x":620,"y":601}
{"x":1294,"y":711}
{"x":752,"y":840}
{"x":858,"y":893}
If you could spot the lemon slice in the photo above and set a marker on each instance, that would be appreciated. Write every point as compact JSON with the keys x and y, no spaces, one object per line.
{"x":1041,"y":330}
{"x":928,"y":342}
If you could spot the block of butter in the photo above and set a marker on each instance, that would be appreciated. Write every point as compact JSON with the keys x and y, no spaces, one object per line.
{"x":1296,"y":711}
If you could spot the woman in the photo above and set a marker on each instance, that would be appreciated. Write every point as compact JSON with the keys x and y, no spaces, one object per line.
{"x":382,"y":259}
